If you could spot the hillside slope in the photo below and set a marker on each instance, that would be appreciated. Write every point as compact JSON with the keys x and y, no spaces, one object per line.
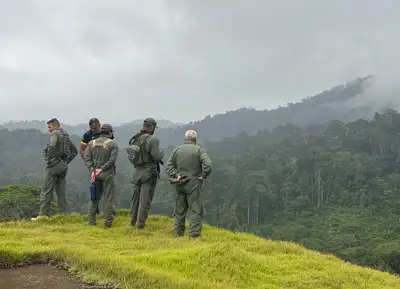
{"x":152,"y":258}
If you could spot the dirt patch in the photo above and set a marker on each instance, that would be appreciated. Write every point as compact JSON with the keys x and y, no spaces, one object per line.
{"x":38,"y":277}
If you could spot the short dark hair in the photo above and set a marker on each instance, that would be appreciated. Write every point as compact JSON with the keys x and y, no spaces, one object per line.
{"x":93,"y":121}
{"x":54,"y":120}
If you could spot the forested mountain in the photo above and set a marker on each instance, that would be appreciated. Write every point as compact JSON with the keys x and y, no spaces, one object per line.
{"x":333,"y":188}
{"x":321,"y":108}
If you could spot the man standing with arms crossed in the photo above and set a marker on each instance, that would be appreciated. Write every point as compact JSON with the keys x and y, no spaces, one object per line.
{"x":188,"y":167}
{"x":100,"y":157}
{"x":59,"y":152}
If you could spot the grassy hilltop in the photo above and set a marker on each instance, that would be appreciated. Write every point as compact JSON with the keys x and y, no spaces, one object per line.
{"x":152,"y":258}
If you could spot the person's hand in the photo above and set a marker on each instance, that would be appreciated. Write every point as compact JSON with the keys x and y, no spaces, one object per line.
{"x":98,"y":172}
{"x":92,"y":177}
{"x":179,"y":178}
{"x":201,"y":179}
{"x":94,"y":174}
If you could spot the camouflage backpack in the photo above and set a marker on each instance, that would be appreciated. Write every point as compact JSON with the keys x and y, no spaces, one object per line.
{"x":136,"y":149}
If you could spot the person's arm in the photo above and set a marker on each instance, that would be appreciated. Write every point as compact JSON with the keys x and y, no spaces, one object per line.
{"x":155,"y":151}
{"x":74,"y":152}
{"x":170,"y":167}
{"x":88,"y":158}
{"x":44,"y":154}
{"x":84,"y":142}
{"x":113,"y":157}
{"x":205,"y":163}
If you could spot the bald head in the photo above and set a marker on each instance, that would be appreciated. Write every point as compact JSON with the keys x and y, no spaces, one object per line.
{"x":191,"y":136}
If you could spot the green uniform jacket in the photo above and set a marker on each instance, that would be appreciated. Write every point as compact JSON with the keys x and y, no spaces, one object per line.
{"x":188,"y":160}
{"x":101,"y":153}
{"x":153,"y":155}
{"x":54,"y":146}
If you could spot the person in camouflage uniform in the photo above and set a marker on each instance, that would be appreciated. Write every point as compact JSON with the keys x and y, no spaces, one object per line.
{"x":146,"y":172}
{"x":93,"y":133}
{"x":59,"y":152}
{"x":100,"y":157}
{"x":188,"y":167}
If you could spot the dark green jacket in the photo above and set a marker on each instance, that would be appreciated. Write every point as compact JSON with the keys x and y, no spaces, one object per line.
{"x":55,"y":146}
{"x":153,"y":154}
{"x":147,"y":170}
{"x":101,"y":153}
{"x":59,"y":145}
{"x":188,"y":160}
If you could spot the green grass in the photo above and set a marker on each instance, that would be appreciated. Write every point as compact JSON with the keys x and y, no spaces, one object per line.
{"x":153,"y":258}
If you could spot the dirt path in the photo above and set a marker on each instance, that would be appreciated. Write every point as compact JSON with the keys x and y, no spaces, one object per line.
{"x":37,"y":277}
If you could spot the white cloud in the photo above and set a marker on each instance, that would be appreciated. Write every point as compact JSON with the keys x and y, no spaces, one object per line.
{"x":123,"y":60}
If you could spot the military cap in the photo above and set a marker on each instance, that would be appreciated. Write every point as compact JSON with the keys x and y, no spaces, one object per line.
{"x":107,"y":127}
{"x":150,"y":121}
{"x":54,"y":120}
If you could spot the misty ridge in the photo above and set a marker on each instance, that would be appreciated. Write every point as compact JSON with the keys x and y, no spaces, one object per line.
{"x":356,"y":99}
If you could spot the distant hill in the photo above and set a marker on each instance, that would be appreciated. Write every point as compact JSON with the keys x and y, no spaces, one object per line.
{"x":329,"y":105}
{"x":80,"y":128}
{"x":321,"y":108}
{"x":125,"y":258}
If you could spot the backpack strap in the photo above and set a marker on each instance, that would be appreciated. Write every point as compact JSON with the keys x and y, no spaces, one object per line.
{"x":108,"y":141}
{"x":105,"y":144}
{"x":142,"y":146}
{"x":144,"y":142}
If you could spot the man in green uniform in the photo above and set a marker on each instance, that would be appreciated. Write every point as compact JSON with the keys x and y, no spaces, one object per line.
{"x":60,"y":151}
{"x":145,"y":155}
{"x":93,"y":133}
{"x":188,"y":167}
{"x":100,"y":157}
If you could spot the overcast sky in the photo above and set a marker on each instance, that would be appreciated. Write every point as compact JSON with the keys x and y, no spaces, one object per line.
{"x":184,"y":59}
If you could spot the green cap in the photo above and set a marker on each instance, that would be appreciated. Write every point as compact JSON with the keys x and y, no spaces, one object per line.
{"x":150,"y":121}
{"x":107,"y":127}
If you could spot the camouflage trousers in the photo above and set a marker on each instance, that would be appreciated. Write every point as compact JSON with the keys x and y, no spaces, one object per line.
{"x":106,"y":191}
{"x":54,"y":180}
{"x":188,"y":202}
